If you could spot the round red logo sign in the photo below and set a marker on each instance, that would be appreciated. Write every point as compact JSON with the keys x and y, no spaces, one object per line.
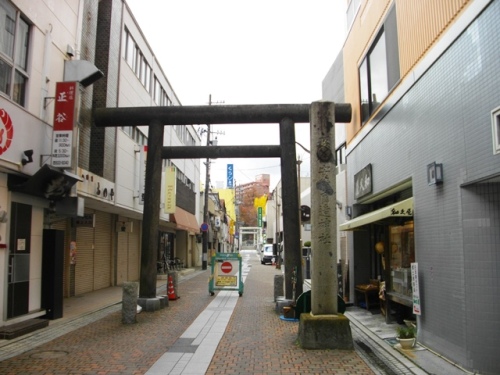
{"x":6,"y":131}
{"x":226,"y":267}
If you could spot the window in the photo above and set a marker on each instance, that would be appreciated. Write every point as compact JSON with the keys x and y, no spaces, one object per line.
{"x":495,"y":123}
{"x":137,"y":61}
{"x":401,"y":255}
{"x":352,"y":9}
{"x":14,"y":44}
{"x":130,"y":50}
{"x":379,"y":70}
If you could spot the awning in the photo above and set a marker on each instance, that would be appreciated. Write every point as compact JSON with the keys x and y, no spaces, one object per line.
{"x":185,"y":220}
{"x":399,"y":209}
{"x":48,"y":182}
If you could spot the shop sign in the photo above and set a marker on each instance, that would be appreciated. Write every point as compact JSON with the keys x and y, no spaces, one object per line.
{"x":85,"y":221}
{"x":230,"y":175}
{"x":65,"y":109}
{"x":170,"y":190}
{"x":143,"y":159}
{"x":6,"y":131}
{"x":363,"y":182}
{"x":414,"y":285}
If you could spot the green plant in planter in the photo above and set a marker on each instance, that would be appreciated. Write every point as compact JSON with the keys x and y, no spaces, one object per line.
{"x":407,"y":332}
{"x":307,"y":244}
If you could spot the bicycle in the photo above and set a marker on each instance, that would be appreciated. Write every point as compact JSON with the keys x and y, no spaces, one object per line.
{"x":179,"y":264}
{"x":162,"y":265}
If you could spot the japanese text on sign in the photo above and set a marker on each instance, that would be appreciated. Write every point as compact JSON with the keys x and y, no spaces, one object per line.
{"x":226,"y":281}
{"x":64,"y":122}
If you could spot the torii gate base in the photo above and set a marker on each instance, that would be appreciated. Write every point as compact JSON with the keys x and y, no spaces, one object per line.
{"x":325,"y":332}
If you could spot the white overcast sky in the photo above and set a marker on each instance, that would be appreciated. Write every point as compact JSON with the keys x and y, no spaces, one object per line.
{"x":245,"y":52}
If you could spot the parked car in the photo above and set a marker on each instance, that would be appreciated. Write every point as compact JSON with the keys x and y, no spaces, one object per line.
{"x":266,"y":254}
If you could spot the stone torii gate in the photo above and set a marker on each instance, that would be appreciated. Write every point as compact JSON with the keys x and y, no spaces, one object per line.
{"x":322,"y":117}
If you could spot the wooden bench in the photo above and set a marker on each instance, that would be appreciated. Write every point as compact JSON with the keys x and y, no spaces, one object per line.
{"x":368,"y":294}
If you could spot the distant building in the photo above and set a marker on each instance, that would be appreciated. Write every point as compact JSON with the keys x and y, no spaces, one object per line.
{"x":245,"y":196}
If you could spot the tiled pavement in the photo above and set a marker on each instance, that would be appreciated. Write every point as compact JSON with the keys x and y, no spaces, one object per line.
{"x":201,"y":334}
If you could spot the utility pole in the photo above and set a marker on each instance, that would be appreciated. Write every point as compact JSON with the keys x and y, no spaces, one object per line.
{"x":206,"y":219}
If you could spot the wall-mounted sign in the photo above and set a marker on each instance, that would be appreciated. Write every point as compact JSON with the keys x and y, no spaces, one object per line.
{"x":143,"y":158}
{"x":230,"y":176}
{"x":72,"y":252}
{"x":6,"y":131}
{"x":363,"y":182}
{"x":415,"y":289}
{"x":65,"y":110}
{"x":259,"y":216}
{"x":21,"y":244}
{"x":87,"y":220}
{"x":170,"y":189}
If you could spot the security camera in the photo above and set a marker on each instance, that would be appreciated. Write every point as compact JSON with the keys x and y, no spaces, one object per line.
{"x":29,"y":155}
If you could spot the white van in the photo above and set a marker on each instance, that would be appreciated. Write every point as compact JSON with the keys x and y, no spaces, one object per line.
{"x":266,"y":254}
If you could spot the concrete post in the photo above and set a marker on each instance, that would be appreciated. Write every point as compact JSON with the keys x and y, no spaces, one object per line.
{"x":323,"y":328}
{"x":323,"y":210}
{"x":129,"y":302}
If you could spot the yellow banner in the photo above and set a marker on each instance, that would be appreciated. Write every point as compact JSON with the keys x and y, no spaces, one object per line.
{"x":226,"y":281}
{"x":170,"y":187}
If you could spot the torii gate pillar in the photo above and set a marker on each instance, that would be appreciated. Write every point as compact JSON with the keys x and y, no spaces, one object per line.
{"x":323,"y":327}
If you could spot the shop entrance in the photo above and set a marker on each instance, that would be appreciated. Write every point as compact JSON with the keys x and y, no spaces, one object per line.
{"x":384,"y":249}
{"x":19,"y":260}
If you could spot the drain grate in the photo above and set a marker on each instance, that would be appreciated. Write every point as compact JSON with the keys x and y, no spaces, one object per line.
{"x":374,"y":359}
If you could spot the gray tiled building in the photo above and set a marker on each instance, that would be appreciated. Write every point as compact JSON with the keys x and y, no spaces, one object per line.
{"x":442,"y":110}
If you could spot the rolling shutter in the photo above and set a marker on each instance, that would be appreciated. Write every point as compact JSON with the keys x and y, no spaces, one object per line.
{"x":102,"y":250}
{"x":84,"y":270}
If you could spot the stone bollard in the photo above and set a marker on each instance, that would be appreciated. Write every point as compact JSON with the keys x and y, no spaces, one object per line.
{"x":278,"y":287}
{"x":129,"y":302}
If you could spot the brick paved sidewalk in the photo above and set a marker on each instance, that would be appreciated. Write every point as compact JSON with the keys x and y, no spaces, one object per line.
{"x":109,"y":347}
{"x":256,"y":341}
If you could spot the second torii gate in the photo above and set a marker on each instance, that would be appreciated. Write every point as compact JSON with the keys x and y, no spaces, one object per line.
{"x":322,"y":117}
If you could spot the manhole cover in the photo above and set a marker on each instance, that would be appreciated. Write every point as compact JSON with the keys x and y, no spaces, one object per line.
{"x":49,"y":354}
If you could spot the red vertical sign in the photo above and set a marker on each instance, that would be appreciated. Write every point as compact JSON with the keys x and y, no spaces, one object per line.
{"x":65,"y":109}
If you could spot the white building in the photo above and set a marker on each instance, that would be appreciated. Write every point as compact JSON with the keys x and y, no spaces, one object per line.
{"x":71,"y":230}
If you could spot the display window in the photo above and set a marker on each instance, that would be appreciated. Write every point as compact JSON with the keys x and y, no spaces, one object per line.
{"x":402,"y":254}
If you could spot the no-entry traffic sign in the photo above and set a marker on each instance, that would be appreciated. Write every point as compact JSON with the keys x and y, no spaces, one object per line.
{"x":226,"y":267}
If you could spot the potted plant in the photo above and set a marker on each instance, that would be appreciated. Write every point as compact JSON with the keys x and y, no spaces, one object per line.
{"x":407,"y":337}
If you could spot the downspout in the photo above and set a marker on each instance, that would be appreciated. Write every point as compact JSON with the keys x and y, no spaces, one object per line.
{"x":45,"y":73}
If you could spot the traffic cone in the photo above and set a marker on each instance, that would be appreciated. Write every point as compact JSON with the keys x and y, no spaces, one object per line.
{"x":171,"y":291}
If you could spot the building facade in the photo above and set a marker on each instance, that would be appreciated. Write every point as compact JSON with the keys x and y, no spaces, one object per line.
{"x":81,"y":222}
{"x":422,"y":168}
